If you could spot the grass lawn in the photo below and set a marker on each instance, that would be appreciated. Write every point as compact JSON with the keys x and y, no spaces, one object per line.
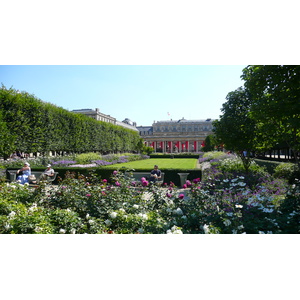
{"x":163,"y":163}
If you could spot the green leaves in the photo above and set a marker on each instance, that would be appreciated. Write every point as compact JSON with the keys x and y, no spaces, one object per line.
{"x":40,"y":127}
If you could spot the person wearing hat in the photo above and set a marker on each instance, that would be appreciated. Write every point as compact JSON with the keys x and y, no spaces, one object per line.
{"x":23,"y":173}
{"x":49,"y":172}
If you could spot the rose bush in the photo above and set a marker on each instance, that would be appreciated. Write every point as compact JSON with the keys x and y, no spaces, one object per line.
{"x":226,"y":202}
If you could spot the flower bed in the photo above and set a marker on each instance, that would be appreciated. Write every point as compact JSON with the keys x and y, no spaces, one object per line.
{"x":226,"y":202}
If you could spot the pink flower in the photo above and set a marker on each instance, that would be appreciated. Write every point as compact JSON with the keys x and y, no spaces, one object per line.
{"x":168,"y":195}
{"x":184,"y":186}
{"x":117,"y":183}
{"x":181,"y":196}
{"x":188,"y":183}
{"x":143,"y":179}
{"x":145,"y":183}
{"x":196,"y":180}
{"x":104,"y":181}
{"x":88,"y":195}
{"x":115,"y":172}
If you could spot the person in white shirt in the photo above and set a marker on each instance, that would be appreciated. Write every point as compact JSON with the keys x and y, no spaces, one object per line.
{"x":49,"y":172}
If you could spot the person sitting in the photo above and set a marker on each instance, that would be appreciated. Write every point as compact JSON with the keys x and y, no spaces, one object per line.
{"x":48,"y":173}
{"x":23,"y":174}
{"x":155,"y":174}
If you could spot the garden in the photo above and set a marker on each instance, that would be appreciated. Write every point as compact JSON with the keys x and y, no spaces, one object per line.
{"x":225,"y":200}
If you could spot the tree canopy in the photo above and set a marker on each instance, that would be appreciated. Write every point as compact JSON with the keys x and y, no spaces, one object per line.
{"x":39,"y":126}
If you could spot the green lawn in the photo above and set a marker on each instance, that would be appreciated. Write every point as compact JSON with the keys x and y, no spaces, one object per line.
{"x":163,"y":163}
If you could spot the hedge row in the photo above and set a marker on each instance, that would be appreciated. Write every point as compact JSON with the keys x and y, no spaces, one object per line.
{"x":106,"y":173}
{"x":269,"y":165}
{"x":39,"y":126}
{"x":175,"y":155}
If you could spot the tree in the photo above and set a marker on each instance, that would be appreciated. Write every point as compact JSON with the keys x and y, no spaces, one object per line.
{"x":275,"y":96}
{"x":7,"y":140}
{"x":209,"y":143}
{"x":235,"y":129}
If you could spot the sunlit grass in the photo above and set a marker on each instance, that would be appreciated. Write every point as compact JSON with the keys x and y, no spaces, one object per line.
{"x":163,"y":163}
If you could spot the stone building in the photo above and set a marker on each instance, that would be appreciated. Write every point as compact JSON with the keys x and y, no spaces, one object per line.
{"x":97,"y":115}
{"x":176,"y":135}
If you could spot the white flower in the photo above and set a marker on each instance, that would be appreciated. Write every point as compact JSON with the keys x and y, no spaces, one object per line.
{"x":113,"y":215}
{"x":62,"y":230}
{"x":107,"y":222}
{"x":135,"y":206}
{"x":261,"y":232}
{"x":178,"y":211}
{"x":33,"y":207}
{"x":238,"y":206}
{"x":227,"y":222}
{"x":73,"y":230}
{"x":12,"y":214}
{"x":7,"y":226}
{"x":174,"y":230}
{"x":206,"y":228}
{"x":144,"y":216}
{"x":87,"y":216}
{"x":229,"y":214}
{"x":241,"y":227}
{"x":122,"y":209}
{"x":37,"y":229}
{"x":91,"y":221}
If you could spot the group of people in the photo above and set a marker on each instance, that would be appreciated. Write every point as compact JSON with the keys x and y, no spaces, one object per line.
{"x":23,"y":174}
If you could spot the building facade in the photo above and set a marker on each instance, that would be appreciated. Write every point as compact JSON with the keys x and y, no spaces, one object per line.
{"x":97,"y":115}
{"x":176,"y":135}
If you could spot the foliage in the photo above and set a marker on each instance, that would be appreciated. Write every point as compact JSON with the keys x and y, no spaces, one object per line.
{"x":210,"y":143}
{"x":235,"y":129}
{"x":286,"y":171}
{"x":214,"y":155}
{"x":7,"y":139}
{"x":86,"y":158}
{"x":147,"y":150}
{"x":42,"y":127}
{"x":275,"y":93}
{"x":226,"y":202}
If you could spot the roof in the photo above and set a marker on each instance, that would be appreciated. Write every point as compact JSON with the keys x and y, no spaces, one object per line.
{"x":186,"y":121}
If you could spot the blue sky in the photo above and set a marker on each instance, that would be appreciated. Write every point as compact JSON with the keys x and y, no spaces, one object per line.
{"x":142,"y":93}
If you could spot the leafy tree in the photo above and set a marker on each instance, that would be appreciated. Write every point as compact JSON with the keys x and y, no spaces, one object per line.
{"x":210,"y":143}
{"x":275,"y":97}
{"x":7,"y":140}
{"x":235,"y":129}
{"x":41,"y":127}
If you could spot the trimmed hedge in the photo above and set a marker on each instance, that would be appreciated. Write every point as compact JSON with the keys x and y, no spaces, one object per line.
{"x":105,"y":173}
{"x":39,"y":127}
{"x":269,"y":165}
{"x":172,"y":155}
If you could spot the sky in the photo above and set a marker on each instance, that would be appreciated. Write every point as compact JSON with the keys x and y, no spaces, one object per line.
{"x":142,"y":93}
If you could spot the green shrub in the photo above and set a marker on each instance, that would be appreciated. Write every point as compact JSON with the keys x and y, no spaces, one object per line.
{"x":215,"y":155}
{"x":86,"y":158}
{"x":284,"y":170}
{"x":269,"y":165}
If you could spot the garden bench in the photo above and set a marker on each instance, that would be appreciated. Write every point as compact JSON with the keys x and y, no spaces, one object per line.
{"x":139,"y":175}
{"x":13,"y":176}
